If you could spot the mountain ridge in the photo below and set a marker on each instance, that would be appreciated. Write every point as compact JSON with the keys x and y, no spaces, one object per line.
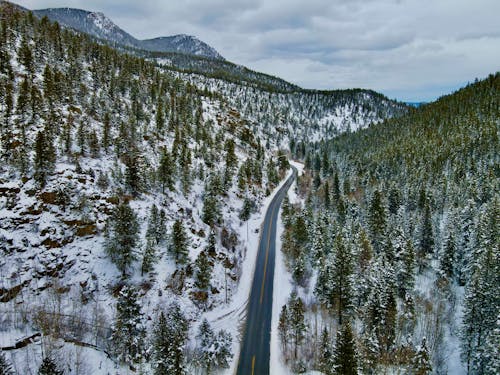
{"x":99,"y":25}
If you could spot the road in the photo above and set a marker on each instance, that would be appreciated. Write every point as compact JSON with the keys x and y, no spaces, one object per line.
{"x":255,"y":348}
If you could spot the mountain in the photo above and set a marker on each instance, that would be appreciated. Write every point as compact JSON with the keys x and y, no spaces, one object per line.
{"x":92,"y":23}
{"x":181,"y":43}
{"x":100,"y":26}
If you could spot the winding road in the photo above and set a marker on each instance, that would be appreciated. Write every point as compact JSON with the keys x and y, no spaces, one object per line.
{"x":255,"y":348}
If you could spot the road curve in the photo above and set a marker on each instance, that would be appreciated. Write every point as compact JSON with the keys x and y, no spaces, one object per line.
{"x":255,"y":347}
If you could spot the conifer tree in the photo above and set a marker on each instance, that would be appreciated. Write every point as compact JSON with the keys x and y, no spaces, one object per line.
{"x":149,"y":256}
{"x":106,"y":132}
{"x":427,"y":236}
{"x":5,"y":366}
{"x":297,"y":322}
{"x":203,"y":269}
{"x":344,"y":356}
{"x":166,"y":171}
{"x":283,"y":327}
{"x":122,"y":236}
{"x":421,"y":363}
{"x":169,"y":340}
{"x":128,"y":330}
{"x":179,"y":243}
{"x":325,"y":353}
{"x":447,"y":261}
{"x":49,"y":367}
{"x":44,"y":157}
{"x":377,"y":221}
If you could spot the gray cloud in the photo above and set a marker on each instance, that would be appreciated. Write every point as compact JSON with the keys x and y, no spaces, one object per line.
{"x":409,"y":49}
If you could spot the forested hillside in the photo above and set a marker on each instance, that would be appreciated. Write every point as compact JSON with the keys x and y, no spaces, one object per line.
{"x":122,"y":192}
{"x":395,"y":254}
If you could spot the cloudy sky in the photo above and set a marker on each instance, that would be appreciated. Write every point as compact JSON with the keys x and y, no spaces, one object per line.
{"x":412,"y":50}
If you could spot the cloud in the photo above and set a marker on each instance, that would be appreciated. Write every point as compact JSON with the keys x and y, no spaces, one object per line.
{"x":409,"y":49}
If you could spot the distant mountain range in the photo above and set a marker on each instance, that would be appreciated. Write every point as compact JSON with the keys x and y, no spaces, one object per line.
{"x":102,"y":27}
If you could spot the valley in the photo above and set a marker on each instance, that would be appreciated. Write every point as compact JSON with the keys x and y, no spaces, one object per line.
{"x":149,"y":188}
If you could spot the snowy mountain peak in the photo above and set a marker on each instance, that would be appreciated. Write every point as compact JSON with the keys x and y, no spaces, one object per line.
{"x":100,"y":26}
{"x":182,"y":43}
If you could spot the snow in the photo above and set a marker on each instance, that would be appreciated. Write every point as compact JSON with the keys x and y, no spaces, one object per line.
{"x":232,"y":317}
{"x":282,"y":285}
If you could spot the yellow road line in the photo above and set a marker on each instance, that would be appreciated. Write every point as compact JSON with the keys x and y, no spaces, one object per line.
{"x":253,"y":364}
{"x":267,"y":255}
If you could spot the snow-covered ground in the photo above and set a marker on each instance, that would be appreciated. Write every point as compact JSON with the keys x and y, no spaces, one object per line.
{"x":282,"y":286}
{"x":231,"y":317}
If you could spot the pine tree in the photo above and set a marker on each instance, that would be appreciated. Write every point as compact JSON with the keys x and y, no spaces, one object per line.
{"x":481,"y":307}
{"x":106,"y":132}
{"x":377,"y":221}
{"x":325,"y":353}
{"x":344,"y":356}
{"x":246,"y":210}
{"x":214,"y":350}
{"x":44,"y":157}
{"x":5,"y":366}
{"x":334,"y":285}
{"x":156,"y":225}
{"x":491,"y":351}
{"x":205,"y":338}
{"x":49,"y":367}
{"x":406,"y":272}
{"x":283,"y":327}
{"x":128,"y":330}
{"x":211,"y":210}
{"x":149,"y":256}
{"x":169,"y":340}
{"x":166,"y":171}
{"x":122,"y":236}
{"x":297,"y":322}
{"x":427,"y":236}
{"x":421,"y":362}
{"x":447,"y":261}
{"x":133,"y":178}
{"x":179,"y":243}
{"x":203,"y":269}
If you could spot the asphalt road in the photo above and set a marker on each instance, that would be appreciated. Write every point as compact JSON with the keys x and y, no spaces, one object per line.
{"x":255,"y":348}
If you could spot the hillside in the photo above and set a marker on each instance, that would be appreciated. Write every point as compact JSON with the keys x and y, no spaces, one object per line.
{"x":95,"y":145}
{"x":401,"y":239}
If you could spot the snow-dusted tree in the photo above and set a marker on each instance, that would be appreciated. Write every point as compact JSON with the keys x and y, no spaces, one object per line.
{"x":421,"y":363}
{"x":481,"y":307}
{"x":491,"y":351}
{"x":203,"y":269}
{"x":465,"y":241}
{"x":284,"y":328}
{"x":344,"y":355}
{"x":5,"y":366}
{"x":213,"y":350}
{"x":128,"y":330}
{"x":405,"y":274}
{"x":45,"y":156}
{"x":377,"y":220}
{"x":427,"y":233}
{"x":247,"y":209}
{"x":334,"y":284}
{"x":149,"y":256}
{"x":49,"y":367}
{"x":169,"y":340}
{"x":156,"y":225}
{"x":297,"y":322}
{"x":325,"y":356}
{"x":122,"y":236}
{"x":179,"y":243}
{"x":166,"y":171}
